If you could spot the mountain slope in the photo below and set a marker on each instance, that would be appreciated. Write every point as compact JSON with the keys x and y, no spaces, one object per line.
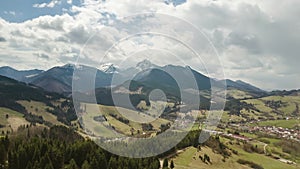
{"x":239,"y":86}
{"x":12,"y":90}
{"x":14,"y":93}
{"x":145,"y":64}
{"x":171,"y":76}
{"x":59,"y":79}
{"x":20,"y":75}
{"x":109,"y":68}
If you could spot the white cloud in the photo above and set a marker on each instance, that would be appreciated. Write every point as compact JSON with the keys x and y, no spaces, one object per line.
{"x":258,"y":41}
{"x":51,"y":4}
{"x":42,"y":5}
{"x":10,"y":13}
{"x":38,"y":35}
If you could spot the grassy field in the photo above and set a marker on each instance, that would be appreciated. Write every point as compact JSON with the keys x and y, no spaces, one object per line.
{"x":279,"y":123}
{"x":134,"y":120}
{"x":185,"y":158}
{"x":129,"y":114}
{"x":39,"y":109}
{"x":271,"y":141}
{"x":156,"y":108}
{"x":14,"y":120}
{"x":190,"y":159}
{"x":291,"y":102}
{"x":226,"y":117}
{"x":238,"y":94}
{"x":287,"y":108}
{"x":94,"y":127}
{"x":274,"y":149}
{"x":261,"y":159}
{"x":259,"y":104}
{"x":250,"y":135}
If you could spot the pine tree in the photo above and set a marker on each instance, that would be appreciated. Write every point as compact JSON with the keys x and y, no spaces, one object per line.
{"x":102,"y":161}
{"x":86,"y":165}
{"x":2,"y":154}
{"x":29,"y":165}
{"x":72,"y":165}
{"x":22,"y":156}
{"x":95,"y":164}
{"x":36,"y":155}
{"x":113,"y":164}
{"x":206,"y":158}
{"x":57,"y":157}
{"x":46,"y":162}
{"x":12,"y":160}
{"x":48,"y":166}
{"x":165,"y":163}
{"x":36,"y":165}
{"x":172,"y":164}
{"x":6,"y":142}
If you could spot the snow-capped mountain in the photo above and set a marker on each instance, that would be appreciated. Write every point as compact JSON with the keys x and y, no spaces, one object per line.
{"x":109,"y":68}
{"x":59,"y":79}
{"x":145,"y":64}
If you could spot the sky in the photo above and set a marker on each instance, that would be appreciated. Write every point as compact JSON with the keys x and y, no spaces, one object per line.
{"x":255,"y":41}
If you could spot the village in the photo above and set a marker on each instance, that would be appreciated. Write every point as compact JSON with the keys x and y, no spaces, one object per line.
{"x":278,"y":132}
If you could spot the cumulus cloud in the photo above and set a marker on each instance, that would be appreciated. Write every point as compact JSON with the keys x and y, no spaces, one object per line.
{"x":42,"y":5}
{"x":35,"y":35}
{"x":51,"y":4}
{"x":257,"y":41}
{"x":42,"y":56}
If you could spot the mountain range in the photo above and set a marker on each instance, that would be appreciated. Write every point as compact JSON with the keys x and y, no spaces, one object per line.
{"x":59,"y":79}
{"x":20,"y":75}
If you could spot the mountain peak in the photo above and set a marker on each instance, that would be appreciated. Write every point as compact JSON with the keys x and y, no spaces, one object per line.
{"x":69,"y":65}
{"x":108,"y":68}
{"x":145,"y":64}
{"x":7,"y":68}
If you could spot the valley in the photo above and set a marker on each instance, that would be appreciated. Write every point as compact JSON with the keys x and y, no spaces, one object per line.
{"x":258,"y":129}
{"x":158,"y":84}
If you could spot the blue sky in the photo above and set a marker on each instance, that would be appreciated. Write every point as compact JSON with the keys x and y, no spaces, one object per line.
{"x":22,"y":10}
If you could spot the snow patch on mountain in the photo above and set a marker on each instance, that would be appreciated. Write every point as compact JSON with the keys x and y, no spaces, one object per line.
{"x":145,"y":64}
{"x":109,"y":68}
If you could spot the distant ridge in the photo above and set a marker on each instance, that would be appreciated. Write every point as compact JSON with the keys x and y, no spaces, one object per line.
{"x":20,"y":75}
{"x":59,"y":79}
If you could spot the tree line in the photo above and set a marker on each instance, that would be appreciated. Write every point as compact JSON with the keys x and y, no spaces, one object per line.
{"x":61,"y":148}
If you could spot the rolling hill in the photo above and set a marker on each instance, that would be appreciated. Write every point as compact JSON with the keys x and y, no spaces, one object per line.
{"x":247,"y":88}
{"x":34,"y":103}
